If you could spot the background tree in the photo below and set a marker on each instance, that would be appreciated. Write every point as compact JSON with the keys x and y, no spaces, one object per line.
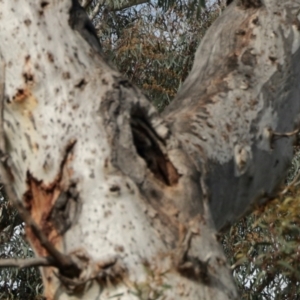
{"x":263,"y":248}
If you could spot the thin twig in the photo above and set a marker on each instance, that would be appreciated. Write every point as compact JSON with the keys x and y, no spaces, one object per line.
{"x":27,"y":263}
{"x":292,"y":184}
{"x":126,"y":4}
{"x":96,"y":10}
{"x":277,"y":135}
{"x":86,"y":3}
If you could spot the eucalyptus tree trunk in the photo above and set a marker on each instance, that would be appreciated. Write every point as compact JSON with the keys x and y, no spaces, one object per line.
{"x":124,"y":202}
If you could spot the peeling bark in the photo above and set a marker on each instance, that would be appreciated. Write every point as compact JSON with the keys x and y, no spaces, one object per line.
{"x":132,"y":197}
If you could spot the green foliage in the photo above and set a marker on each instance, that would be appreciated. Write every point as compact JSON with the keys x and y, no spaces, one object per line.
{"x":16,"y":283}
{"x":189,"y":6}
{"x":263,"y":248}
{"x":154,"y":48}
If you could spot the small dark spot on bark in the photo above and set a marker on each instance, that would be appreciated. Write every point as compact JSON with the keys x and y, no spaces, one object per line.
{"x":248,"y":58}
{"x":228,"y":127}
{"x":81,"y":84}
{"x":115,"y":188}
{"x":44,"y":4}
{"x":116,"y":85}
{"x":66,"y":75}
{"x":273,"y":59}
{"x":276,"y":163}
{"x":28,"y":140}
{"x":119,"y":248}
{"x":23,"y":153}
{"x":106,"y":163}
{"x":154,"y":194}
{"x":253,"y":103}
{"x":28,"y":78}
{"x":107,"y":213}
{"x":50,"y":57}
{"x":209,"y":124}
{"x":104,"y":81}
{"x":27,"y":22}
{"x":220,"y":261}
{"x":20,"y":94}
{"x":232,"y":62}
{"x":32,"y":120}
{"x":240,"y":32}
{"x":248,"y":76}
{"x":255,"y":21}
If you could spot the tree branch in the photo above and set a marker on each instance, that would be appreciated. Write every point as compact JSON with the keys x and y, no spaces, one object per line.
{"x":86,"y":3}
{"x":126,"y":4}
{"x":111,"y":6}
{"x":28,"y":262}
{"x":238,"y":108}
{"x":96,"y":10}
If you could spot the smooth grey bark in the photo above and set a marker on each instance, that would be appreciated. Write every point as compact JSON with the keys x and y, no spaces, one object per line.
{"x":243,"y":89}
{"x":130,"y":197}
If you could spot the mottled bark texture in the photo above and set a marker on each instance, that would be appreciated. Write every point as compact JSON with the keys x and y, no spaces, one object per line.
{"x":242,"y":90}
{"x":131,"y":197}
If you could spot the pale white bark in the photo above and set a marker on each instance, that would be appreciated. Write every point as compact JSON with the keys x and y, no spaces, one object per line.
{"x":122,"y":191}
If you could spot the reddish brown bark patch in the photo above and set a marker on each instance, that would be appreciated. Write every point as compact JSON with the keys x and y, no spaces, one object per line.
{"x":39,"y":200}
